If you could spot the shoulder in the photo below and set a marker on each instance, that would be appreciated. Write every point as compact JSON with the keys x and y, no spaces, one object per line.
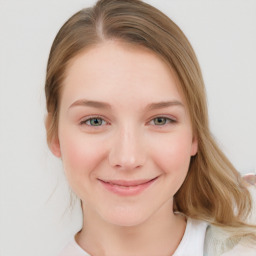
{"x":219,"y":242}
{"x":73,"y":249}
{"x":252,"y":217}
{"x":192,"y":242}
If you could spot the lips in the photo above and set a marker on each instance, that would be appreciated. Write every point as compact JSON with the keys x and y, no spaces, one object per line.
{"x":126,"y":183}
{"x":125,"y":187}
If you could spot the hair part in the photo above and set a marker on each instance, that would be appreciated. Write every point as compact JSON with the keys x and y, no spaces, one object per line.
{"x":212,"y":187}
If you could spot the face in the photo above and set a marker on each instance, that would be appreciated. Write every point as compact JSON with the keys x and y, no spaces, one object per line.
{"x":125,"y":135}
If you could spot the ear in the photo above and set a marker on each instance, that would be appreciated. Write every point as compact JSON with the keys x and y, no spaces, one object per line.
{"x":52,"y":137}
{"x":194,"y":146}
{"x":55,"y":147}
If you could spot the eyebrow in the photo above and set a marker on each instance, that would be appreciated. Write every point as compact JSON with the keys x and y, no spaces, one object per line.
{"x":163,"y":104}
{"x":104,"y":105}
{"x":91,"y":103}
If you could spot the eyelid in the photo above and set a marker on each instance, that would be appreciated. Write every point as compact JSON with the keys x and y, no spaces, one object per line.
{"x":168,"y":117}
{"x":87,"y":118}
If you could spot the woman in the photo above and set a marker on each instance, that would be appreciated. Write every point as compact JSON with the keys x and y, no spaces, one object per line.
{"x":127,"y":115}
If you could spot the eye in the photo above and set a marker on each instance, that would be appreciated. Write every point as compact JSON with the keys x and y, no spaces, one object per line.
{"x":161,"y":120}
{"x":93,"y":121}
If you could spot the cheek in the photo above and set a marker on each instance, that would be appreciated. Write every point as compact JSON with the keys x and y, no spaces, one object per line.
{"x":80,"y":155}
{"x":172,"y":153}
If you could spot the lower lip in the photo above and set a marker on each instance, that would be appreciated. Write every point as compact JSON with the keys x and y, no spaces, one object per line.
{"x":127,"y":191}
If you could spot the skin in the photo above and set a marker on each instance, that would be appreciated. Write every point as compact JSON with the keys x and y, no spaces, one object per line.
{"x":129,"y":144}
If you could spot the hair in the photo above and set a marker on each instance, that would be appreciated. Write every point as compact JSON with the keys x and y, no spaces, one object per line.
{"x":213,"y":189}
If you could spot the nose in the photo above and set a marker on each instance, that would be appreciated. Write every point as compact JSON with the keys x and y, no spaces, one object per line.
{"x":127,"y":151}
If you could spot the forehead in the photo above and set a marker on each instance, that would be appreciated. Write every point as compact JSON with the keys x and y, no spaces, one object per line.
{"x":115,"y":69}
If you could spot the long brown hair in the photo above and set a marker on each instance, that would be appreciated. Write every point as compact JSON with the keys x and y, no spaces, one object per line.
{"x":213,"y":188}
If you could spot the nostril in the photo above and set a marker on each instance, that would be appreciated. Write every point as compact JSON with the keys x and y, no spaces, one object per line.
{"x":126,"y":154}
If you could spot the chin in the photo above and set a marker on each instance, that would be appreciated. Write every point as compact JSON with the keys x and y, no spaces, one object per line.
{"x":125,"y":217}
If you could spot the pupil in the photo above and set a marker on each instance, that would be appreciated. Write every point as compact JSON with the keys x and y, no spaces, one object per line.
{"x":96,"y":121}
{"x":160,"y":120}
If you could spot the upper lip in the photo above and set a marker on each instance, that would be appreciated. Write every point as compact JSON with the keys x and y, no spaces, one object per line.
{"x":128,"y":182}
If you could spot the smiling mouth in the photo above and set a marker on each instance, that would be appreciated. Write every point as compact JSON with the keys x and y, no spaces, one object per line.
{"x":127,"y":188}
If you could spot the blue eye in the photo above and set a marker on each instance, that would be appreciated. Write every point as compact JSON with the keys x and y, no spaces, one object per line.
{"x":95,"y":121}
{"x":98,"y":121}
{"x":160,"y":120}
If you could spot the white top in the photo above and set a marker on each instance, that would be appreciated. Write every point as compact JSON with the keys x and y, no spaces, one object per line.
{"x":200,"y":239}
{"x":191,"y":244}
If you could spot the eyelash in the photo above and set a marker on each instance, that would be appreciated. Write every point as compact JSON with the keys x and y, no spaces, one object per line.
{"x":83,"y":122}
{"x":168,"y":120}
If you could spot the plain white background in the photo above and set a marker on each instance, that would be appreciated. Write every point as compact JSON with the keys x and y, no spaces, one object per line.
{"x":34,"y":193}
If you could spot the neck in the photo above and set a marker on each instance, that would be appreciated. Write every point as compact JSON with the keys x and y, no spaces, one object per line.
{"x":159,"y":235}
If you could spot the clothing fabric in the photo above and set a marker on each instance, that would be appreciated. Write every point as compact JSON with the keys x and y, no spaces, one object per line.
{"x":199,"y":239}
{"x":191,"y":244}
{"x":73,"y":249}
{"x":219,"y":243}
